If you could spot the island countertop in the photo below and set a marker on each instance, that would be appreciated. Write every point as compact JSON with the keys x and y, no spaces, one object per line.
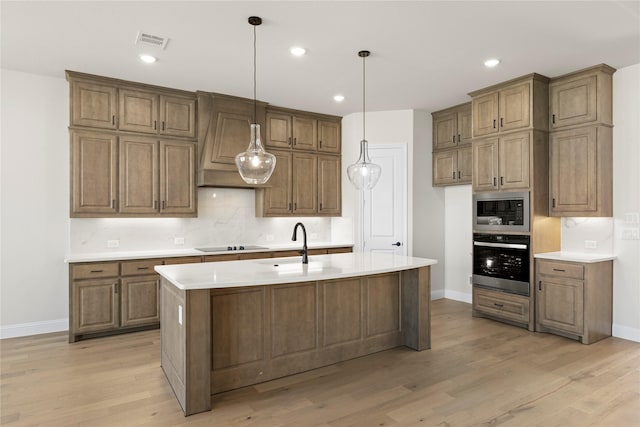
{"x":269,"y":271}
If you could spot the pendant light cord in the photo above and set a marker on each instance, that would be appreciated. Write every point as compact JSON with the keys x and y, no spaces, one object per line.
{"x":363,"y":95}
{"x":254,"y":76}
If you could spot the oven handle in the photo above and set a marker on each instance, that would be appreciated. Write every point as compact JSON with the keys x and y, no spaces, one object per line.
{"x":501,"y":245}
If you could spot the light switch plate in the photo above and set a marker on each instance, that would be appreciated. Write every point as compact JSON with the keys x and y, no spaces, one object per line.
{"x":590,"y":244}
{"x":632,"y":218}
{"x":631,"y":233}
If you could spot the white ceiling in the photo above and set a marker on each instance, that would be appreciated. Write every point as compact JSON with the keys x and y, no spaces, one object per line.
{"x":424,"y":55}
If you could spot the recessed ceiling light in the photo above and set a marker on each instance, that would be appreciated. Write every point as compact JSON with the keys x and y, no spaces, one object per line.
{"x":148,"y":59}
{"x":298,"y":51}
{"x":338,"y":98}
{"x":491,"y":62}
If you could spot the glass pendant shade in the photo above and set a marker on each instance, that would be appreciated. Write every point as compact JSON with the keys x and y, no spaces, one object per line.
{"x":255,"y":165}
{"x":363,"y":174}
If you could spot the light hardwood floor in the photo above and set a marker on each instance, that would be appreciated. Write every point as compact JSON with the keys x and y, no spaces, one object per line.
{"x":478,"y":372}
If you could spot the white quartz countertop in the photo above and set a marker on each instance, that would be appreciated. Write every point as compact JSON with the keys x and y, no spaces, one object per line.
{"x":170,"y":253}
{"x":576,"y":256}
{"x":270,"y":271}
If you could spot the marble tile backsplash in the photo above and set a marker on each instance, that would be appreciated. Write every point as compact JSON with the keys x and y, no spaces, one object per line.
{"x":225,"y":217}
{"x":575,"y":231}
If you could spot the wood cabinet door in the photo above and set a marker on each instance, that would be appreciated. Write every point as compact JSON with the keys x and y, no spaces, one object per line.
{"x":445,"y":130}
{"x":279,"y":130}
{"x":445,"y":167}
{"x":138,"y":111}
{"x":560,"y":304}
{"x":485,"y":114}
{"x":94,"y":179}
{"x":305,"y":133}
{"x":138,"y":175}
{"x":514,"y":162}
{"x":177,"y":178}
{"x":140,"y":301}
{"x":485,"y":165}
{"x":573,"y":171}
{"x":305,"y":184}
{"x":95,"y":305}
{"x":465,"y":123}
{"x":329,"y":185}
{"x":178,"y":116}
{"x":277,"y":197}
{"x":93,"y":105}
{"x":329,"y":137}
{"x":465,"y":165}
{"x":515,"y":111}
{"x":573,"y":102}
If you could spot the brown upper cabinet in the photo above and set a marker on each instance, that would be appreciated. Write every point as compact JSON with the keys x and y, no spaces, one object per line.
{"x":452,"y":167}
{"x":582,"y":98}
{"x":224,"y":130}
{"x":502,"y":163}
{"x":99,"y":102}
{"x":329,"y":138}
{"x":452,"y":127}
{"x":517,"y":104}
{"x":148,"y":112}
{"x":286,"y":130}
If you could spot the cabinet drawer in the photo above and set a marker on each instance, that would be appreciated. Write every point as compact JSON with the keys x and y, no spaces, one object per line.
{"x":95,"y":270}
{"x":561,"y":269}
{"x":507,"y":306}
{"x":183,"y":260}
{"x":135,"y":268}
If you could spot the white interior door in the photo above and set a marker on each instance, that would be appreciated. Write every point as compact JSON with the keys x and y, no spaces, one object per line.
{"x":384,"y":208}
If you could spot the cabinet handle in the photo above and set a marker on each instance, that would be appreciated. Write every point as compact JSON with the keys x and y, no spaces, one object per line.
{"x":295,"y":141}
{"x":494,"y":182}
{"x":494,"y":124}
{"x":143,"y":268}
{"x":498,"y":305}
{"x":539,"y":285}
{"x":290,"y":207}
{"x":454,"y":175}
{"x":97,"y":271}
{"x":453,"y":139}
{"x":113,"y":204}
{"x":320,"y":144}
{"x":559,"y":269}
{"x":155,"y":125}
{"x":553,"y":119}
{"x":116,"y":287}
{"x":295,"y":206}
{"x":458,"y":137}
{"x":502,"y":180}
{"x":553,"y":202}
{"x":163,"y":204}
{"x":113,"y":119}
{"x":163,"y":125}
{"x":501,"y":124}
{"x":290,"y":141}
{"x":458,"y":174}
{"x":320,"y":206}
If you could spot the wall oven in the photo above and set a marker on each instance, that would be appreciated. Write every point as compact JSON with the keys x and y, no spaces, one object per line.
{"x":503,"y":211}
{"x":501,"y":262}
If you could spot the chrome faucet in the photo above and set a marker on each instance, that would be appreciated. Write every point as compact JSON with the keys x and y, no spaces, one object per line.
{"x":303,"y":252}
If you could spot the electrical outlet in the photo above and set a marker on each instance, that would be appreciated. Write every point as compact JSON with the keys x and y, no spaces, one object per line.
{"x":590,"y":244}
{"x":113,"y":243}
{"x":632,"y":218}
{"x":631,"y":233}
{"x":178,"y":240}
{"x":269,"y":237}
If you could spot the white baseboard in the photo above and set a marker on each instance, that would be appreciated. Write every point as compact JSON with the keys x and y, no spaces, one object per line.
{"x":437,"y":294}
{"x":34,"y":328}
{"x":625,"y":332}
{"x":457,"y":296}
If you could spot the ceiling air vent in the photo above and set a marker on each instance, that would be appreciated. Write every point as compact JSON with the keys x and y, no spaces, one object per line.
{"x":151,"y":40}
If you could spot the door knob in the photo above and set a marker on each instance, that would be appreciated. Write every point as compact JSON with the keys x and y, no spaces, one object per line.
{"x":396,"y":244}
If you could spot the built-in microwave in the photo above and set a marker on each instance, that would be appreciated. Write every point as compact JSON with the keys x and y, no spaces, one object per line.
{"x":503,"y":211}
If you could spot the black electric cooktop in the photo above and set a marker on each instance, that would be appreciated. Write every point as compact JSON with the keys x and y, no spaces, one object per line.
{"x":231,"y":248}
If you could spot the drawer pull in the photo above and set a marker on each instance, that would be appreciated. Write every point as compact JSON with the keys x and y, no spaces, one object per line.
{"x":539,"y":285}
{"x":97,"y":271}
{"x":498,"y":305}
{"x":559,"y":269}
{"x":143,"y":268}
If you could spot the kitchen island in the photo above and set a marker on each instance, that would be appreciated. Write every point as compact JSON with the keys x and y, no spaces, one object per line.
{"x":226,"y":325}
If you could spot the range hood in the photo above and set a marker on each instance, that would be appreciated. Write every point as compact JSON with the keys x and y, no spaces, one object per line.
{"x":224,"y":131}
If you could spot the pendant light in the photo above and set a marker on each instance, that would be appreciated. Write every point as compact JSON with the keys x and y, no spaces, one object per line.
{"x":255,"y":165}
{"x":363,"y":174}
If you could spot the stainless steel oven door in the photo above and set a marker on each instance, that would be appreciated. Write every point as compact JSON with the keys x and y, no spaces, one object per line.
{"x":501,"y":265}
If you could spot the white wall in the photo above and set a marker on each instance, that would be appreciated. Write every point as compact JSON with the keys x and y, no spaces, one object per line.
{"x":626,"y":199}
{"x":35,"y":200}
{"x":458,"y":212}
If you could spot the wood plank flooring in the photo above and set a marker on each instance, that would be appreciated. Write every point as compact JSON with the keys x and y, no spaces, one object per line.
{"x":478,"y":373}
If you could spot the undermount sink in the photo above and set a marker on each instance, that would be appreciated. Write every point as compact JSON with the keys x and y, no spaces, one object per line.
{"x":294,"y":265}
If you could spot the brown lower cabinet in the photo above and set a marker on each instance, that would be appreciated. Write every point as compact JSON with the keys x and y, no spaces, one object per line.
{"x":114,"y":297}
{"x":574,"y":299}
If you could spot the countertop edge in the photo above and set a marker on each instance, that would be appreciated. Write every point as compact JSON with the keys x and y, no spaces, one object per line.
{"x":576,"y":257}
